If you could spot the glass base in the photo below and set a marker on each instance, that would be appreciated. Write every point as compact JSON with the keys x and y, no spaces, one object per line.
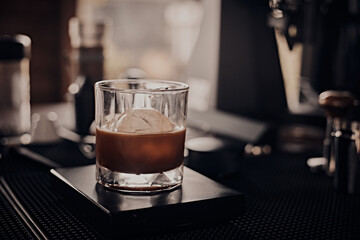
{"x":139,"y":183}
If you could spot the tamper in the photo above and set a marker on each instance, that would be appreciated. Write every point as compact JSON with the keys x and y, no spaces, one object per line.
{"x":336,"y":105}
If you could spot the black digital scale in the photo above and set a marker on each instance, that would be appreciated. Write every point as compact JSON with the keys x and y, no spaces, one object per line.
{"x":199,"y":200}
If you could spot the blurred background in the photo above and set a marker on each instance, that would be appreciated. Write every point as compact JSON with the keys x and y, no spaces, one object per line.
{"x":46,"y":23}
{"x":157,"y":37}
{"x":178,"y":40}
{"x":252,"y":62}
{"x":225,"y":50}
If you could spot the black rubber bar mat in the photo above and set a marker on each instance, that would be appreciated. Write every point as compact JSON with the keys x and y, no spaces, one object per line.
{"x":284,"y":200}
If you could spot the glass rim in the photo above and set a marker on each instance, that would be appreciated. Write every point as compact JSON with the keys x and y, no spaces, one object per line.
{"x":180,"y":86}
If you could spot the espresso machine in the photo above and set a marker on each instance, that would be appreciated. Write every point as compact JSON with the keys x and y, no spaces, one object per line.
{"x":326,"y":36}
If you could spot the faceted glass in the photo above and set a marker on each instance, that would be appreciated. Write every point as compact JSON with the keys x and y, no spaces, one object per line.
{"x":140,"y":134}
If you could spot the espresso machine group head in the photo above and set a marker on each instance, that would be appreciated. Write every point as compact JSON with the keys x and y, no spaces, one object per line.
{"x":329,"y":75}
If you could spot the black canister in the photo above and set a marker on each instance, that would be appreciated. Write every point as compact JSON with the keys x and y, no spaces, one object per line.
{"x":87,"y":60}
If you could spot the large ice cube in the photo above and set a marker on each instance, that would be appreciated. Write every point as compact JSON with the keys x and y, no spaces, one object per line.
{"x":144,"y":121}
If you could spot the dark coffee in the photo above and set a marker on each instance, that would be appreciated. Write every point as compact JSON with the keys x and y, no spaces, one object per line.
{"x":140,"y":153}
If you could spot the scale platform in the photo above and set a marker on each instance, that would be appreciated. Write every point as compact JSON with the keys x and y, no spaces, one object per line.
{"x":199,"y":200}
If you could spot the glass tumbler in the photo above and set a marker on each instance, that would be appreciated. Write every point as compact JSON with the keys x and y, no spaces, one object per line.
{"x":140,"y":134}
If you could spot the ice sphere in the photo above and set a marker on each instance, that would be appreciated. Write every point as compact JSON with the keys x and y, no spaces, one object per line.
{"x":144,"y":121}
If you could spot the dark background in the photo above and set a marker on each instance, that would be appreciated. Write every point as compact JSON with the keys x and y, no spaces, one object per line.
{"x":250,"y":81}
